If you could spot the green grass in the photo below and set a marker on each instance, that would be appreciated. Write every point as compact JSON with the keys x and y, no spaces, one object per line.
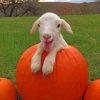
{"x":15,"y":38}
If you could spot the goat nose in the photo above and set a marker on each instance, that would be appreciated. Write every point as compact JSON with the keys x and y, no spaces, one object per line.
{"x":46,"y":36}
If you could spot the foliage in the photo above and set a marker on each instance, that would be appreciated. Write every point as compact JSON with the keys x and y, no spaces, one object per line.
{"x":18,"y":9}
{"x":31,"y":7}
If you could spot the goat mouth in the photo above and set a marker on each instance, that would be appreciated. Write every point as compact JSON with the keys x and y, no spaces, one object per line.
{"x":47,"y":44}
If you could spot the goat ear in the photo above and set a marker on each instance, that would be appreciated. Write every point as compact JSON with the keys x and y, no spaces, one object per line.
{"x":66,"y":26}
{"x":34,"y":27}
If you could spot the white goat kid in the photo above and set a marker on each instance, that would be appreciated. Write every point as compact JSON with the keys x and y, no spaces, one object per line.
{"x":49,"y":26}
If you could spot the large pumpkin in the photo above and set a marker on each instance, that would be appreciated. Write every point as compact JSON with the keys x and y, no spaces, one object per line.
{"x":67,"y":82}
{"x":93,"y":91}
{"x":7,"y":90}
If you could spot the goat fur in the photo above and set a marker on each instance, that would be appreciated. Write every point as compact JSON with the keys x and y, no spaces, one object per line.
{"x":49,"y":25}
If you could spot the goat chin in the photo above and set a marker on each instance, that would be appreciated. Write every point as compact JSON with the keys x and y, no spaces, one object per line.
{"x":48,"y":46}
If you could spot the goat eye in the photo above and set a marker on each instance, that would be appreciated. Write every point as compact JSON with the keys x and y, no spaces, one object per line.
{"x":38,"y":25}
{"x":58,"y":25}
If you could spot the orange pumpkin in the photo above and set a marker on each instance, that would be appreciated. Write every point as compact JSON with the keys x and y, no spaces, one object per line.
{"x":7,"y":90}
{"x":93,"y":91}
{"x":67,"y":82}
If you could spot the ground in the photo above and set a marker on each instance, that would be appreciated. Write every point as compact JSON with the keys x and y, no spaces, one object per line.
{"x":15,"y":38}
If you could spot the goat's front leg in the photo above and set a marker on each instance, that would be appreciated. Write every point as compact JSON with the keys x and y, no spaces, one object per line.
{"x":36,"y":59}
{"x":50,"y":60}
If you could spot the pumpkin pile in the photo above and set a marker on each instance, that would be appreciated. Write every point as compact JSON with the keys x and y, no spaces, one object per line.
{"x":69,"y":80}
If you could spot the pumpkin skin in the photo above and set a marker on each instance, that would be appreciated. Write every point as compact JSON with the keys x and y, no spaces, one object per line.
{"x":68,"y":80}
{"x":93,"y":91}
{"x":7,"y":90}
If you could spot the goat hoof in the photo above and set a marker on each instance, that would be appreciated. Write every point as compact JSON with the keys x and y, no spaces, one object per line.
{"x":35,"y":68}
{"x":47,"y":70}
{"x":35,"y":63}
